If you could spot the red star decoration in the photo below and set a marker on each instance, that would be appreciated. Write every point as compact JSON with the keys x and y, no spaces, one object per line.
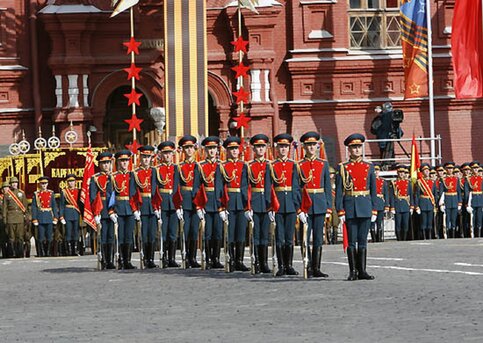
{"x":240,"y":44}
{"x":132,"y":71}
{"x":241,"y":95}
{"x":133,"y":146}
{"x":133,"y":97}
{"x":132,"y":46}
{"x":242,"y":121}
{"x":241,"y":70}
{"x":134,"y":123}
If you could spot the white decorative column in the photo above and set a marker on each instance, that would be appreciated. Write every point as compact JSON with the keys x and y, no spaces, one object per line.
{"x":255,"y":85}
{"x":73,"y":91}
{"x":266,"y":79}
{"x":85,"y":90}
{"x":58,"y":91}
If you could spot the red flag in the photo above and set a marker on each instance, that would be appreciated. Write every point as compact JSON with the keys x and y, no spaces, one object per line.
{"x":97,"y":205}
{"x":345,"y":237}
{"x":467,"y":49}
{"x":201,"y":198}
{"x":178,"y":199}
{"x":84,"y":194}
{"x":249,"y":197}
{"x":275,"y":203}
{"x":415,"y":162}
{"x":306,"y":201}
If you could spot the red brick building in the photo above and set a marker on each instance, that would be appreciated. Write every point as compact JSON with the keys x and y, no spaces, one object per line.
{"x":315,"y":65}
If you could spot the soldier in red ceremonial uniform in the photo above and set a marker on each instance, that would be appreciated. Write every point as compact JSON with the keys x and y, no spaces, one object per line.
{"x":69,"y":212}
{"x":315,"y":180}
{"x":402,"y":202}
{"x":124,"y":187}
{"x":285,"y":179}
{"x":425,"y":201}
{"x":466,"y":173}
{"x":231,"y":189}
{"x":44,"y":214}
{"x":474,"y":188}
{"x":189,"y":176}
{"x":356,"y":198}
{"x":145,"y":177}
{"x":168,"y":183}
{"x":213,"y":226}
{"x":382,"y":206}
{"x":450,"y":200}
{"x":260,"y":188}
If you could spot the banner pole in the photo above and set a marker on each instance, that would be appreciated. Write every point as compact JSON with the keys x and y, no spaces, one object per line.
{"x":430,"y":84}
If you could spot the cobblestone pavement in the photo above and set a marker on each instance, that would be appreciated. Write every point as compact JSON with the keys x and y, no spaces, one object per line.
{"x":428,"y":291}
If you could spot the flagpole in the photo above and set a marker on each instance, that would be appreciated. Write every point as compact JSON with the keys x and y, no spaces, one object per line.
{"x":430,"y":84}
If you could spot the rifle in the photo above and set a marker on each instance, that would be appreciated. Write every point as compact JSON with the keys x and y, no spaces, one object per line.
{"x":202,"y":243}
{"x":305,"y":249}
{"x":225,"y":247}
{"x":472,"y":233}
{"x":183,"y":243}
{"x":273,"y":227}
{"x":116,"y":241}
{"x":99,"y":247}
{"x":161,"y":249}
{"x":462,"y":229}
{"x":444,"y":225}
{"x":139,"y":227}
{"x":251,"y":243}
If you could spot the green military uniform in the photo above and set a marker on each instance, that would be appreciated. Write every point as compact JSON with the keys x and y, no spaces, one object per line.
{"x":14,"y":211}
{"x":3,"y":232}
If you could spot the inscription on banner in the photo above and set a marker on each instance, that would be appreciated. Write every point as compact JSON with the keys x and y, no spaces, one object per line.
{"x":157,"y":44}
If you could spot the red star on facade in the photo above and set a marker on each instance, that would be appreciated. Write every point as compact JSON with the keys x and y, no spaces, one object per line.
{"x":241,"y":95}
{"x":132,"y":71}
{"x":133,"y":147}
{"x":134,"y":123}
{"x":132,"y":46}
{"x":240,"y":44}
{"x":133,"y":97}
{"x":240,"y":70}
{"x":242,"y":121}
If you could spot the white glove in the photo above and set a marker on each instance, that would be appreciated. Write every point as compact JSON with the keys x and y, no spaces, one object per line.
{"x":63,"y":221}
{"x":271,"y":216}
{"x":179,"y":213}
{"x":160,"y":221}
{"x":342,"y":219}
{"x":373,"y":218}
{"x":411,"y":211}
{"x":157,"y":213}
{"x":327,"y":215}
{"x":442,"y":208}
{"x":137,"y":215}
{"x":36,"y":223}
{"x":224,"y":216}
{"x":469,"y":209}
{"x":441,"y":200}
{"x":55,"y":221}
{"x":97,"y":219}
{"x":459,"y":208}
{"x":393,"y":211}
{"x":249,"y":215}
{"x":418,"y":210}
{"x":470,"y":197}
{"x":303,"y":217}
{"x":201,"y":213}
{"x":113,"y":217}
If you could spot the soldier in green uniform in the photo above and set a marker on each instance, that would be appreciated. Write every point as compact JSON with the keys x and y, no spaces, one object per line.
{"x":3,"y":232}
{"x":14,"y":213}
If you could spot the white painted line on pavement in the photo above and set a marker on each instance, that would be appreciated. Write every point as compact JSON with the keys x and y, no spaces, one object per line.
{"x":415,"y":269}
{"x":6,"y":263}
{"x":421,"y":243}
{"x":467,"y":264}
{"x":386,"y":258}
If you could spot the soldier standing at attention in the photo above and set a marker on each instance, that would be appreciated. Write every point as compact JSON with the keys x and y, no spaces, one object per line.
{"x":3,"y":232}
{"x":125,"y":188}
{"x":402,"y":205}
{"x":69,"y":213}
{"x":474,"y":188}
{"x":189,"y":183}
{"x":14,"y":214}
{"x":334,"y":218}
{"x":285,"y":179}
{"x":100,"y":191}
{"x":315,"y":180}
{"x":168,"y":183}
{"x":382,"y":206}
{"x":260,"y":188}
{"x":145,"y":177}
{"x":450,"y":198}
{"x":44,"y":214}
{"x":213,"y":226}
{"x":355,"y":201}
{"x":425,"y":202}
{"x":231,"y":182}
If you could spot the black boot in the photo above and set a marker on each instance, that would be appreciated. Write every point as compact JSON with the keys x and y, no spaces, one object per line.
{"x":362,"y":253}
{"x":240,"y":254}
{"x":373,"y":233}
{"x":39,"y":247}
{"x":208,"y":255}
{"x":26,"y":249}
{"x":164,"y":258}
{"x":19,"y":249}
{"x":172,"y":254}
{"x":257,"y":263}
{"x":404,"y":235}
{"x":127,"y":257}
{"x":263,"y":259}
{"x":72,"y":248}
{"x":216,"y":264}
{"x":288,"y":260}
{"x":231,"y":254}
{"x":10,"y":249}
{"x":280,"y":259}
{"x":48,"y":248}
{"x":193,"y":251}
{"x":109,"y":257}
{"x":316,"y":261}
{"x":151,"y":264}
{"x":351,"y":258}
